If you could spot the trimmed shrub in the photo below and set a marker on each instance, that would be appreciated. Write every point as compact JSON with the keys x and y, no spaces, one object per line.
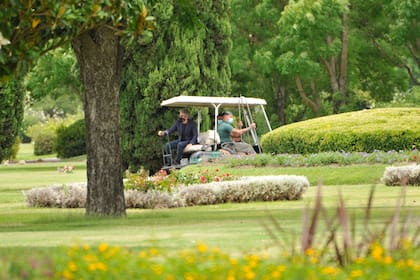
{"x":361,"y":131}
{"x":402,"y":175}
{"x":45,"y":142}
{"x":262,"y":188}
{"x":71,"y":140}
{"x":14,"y":149}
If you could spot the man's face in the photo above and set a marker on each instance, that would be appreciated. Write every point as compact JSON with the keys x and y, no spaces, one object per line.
{"x":227,"y":117}
{"x":183,"y":117}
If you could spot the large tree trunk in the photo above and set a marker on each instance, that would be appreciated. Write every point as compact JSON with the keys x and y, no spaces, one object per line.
{"x":99,"y":56}
{"x":281,"y":104}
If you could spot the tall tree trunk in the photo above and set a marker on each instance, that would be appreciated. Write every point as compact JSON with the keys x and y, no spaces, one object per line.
{"x":99,"y":55}
{"x":281,"y":104}
{"x":280,"y":90}
{"x":344,"y":57}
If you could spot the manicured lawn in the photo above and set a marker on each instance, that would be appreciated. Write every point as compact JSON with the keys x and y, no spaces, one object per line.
{"x":233,"y":227}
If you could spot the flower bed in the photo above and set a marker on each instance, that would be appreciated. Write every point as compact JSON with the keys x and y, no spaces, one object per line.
{"x":263,"y":188}
{"x":402,"y":175}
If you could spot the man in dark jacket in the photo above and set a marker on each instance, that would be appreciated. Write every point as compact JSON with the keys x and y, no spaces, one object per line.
{"x":187,"y":135}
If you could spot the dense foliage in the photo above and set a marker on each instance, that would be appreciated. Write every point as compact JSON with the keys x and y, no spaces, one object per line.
{"x":363,"y":131}
{"x":310,"y":58}
{"x":71,"y":140}
{"x":186,"y":57}
{"x":11,"y":114}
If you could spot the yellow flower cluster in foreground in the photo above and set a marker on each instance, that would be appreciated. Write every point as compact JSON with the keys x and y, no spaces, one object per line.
{"x":203,"y":262}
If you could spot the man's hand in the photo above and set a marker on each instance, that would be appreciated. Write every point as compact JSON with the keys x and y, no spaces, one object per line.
{"x":253,"y":125}
{"x":188,"y":146}
{"x":161,"y":133}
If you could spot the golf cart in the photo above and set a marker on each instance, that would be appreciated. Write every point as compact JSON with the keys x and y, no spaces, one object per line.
{"x":209,"y":141}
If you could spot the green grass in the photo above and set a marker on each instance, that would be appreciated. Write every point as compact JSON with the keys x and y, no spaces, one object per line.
{"x":233,"y":227}
{"x":328,"y":175}
{"x":26,"y":152}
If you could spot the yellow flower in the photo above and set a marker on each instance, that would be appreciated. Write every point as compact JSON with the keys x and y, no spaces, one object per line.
{"x":170,"y":277}
{"x":102,"y":247}
{"x":143,"y":254}
{"x":67,"y":275}
{"x":90,"y":258}
{"x":215,"y":250}
{"x":233,"y":261}
{"x":387,"y":260}
{"x":92,"y":267}
{"x":231,"y":275}
{"x":201,"y":247}
{"x":154,"y":252}
{"x":329,"y":270}
{"x":310,"y":252}
{"x":86,"y":247}
{"x":101,"y":266}
{"x":188,"y":276}
{"x":72,"y":266}
{"x":410,"y":262}
{"x":377,"y":252}
{"x":250,"y":275}
{"x":275,"y":274}
{"x":356,"y":273}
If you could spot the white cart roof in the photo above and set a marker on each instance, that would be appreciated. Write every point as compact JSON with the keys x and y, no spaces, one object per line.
{"x":210,"y":101}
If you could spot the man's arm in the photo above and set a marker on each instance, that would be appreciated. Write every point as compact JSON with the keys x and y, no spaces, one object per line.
{"x":168,"y":131}
{"x":238,"y":132}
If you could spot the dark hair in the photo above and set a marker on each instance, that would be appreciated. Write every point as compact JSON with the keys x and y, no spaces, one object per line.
{"x":226,"y":113}
{"x":185,"y":111}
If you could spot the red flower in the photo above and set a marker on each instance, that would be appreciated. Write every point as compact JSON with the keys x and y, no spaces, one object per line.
{"x":217,"y":179}
{"x":415,"y":157}
{"x":203,"y":179}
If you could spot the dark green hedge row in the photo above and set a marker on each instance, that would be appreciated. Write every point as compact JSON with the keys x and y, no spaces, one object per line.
{"x":361,"y":131}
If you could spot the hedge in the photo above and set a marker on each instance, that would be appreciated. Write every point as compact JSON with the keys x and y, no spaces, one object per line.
{"x":71,"y":140}
{"x":361,"y":131}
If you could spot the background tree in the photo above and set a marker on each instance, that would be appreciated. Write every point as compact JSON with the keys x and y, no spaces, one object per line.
{"x":253,"y":25}
{"x":11,"y":114}
{"x":186,"y":57}
{"x":95,"y":29}
{"x":53,"y":85}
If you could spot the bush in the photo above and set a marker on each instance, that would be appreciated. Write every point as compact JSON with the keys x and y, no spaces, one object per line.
{"x":44,"y":142}
{"x":14,"y":149}
{"x":402,"y":175}
{"x":361,"y":131}
{"x":324,"y":158}
{"x":71,"y":140}
{"x":263,"y":188}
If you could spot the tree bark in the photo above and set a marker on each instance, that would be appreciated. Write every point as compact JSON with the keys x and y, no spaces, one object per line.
{"x":344,"y":56}
{"x":99,"y":55}
{"x":281,"y":104}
